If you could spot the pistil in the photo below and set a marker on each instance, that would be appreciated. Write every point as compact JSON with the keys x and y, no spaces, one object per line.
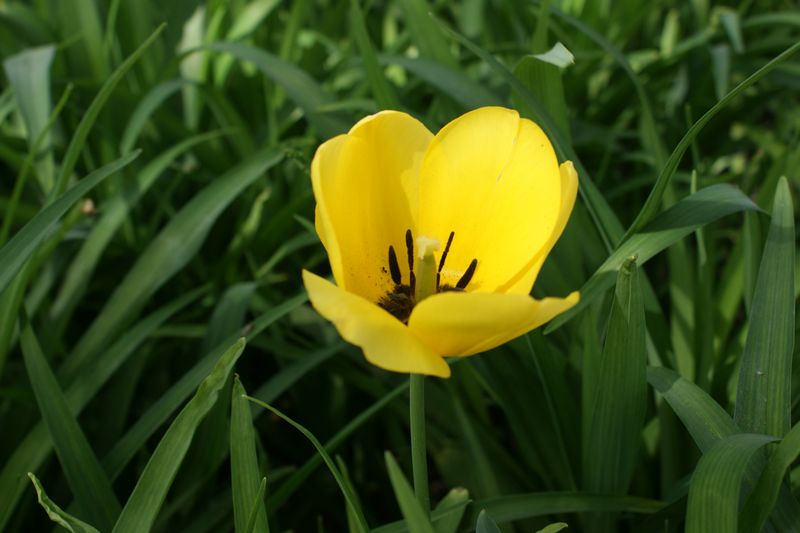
{"x":426,"y":270}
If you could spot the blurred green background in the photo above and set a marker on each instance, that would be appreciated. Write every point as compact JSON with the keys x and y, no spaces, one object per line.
{"x":127,"y":275}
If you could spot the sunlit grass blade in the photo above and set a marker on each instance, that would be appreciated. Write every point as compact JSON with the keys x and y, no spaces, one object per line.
{"x":349,"y":497}
{"x":762,"y":499}
{"x":144,"y":503}
{"x":764,"y":394}
{"x":28,"y":73}
{"x":714,"y":492}
{"x":382,"y":90}
{"x":653,"y":203}
{"x":618,"y":397}
{"x":167,"y":253}
{"x":298,"y":85}
{"x":89,"y":484}
{"x":695,"y":211}
{"x":34,"y":449}
{"x":24,"y":243}
{"x":56,"y":513}
{"x":244,"y":465}
{"x":88,"y":118}
{"x":415,"y":516}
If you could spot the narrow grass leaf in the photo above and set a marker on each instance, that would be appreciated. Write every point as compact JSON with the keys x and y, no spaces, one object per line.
{"x":553,"y":528}
{"x":167,"y":253}
{"x":88,"y":482}
{"x":125,"y":448}
{"x":88,"y":118}
{"x":349,"y":497}
{"x":25,"y":242}
{"x":414,"y":514}
{"x":299,"y":86}
{"x":382,"y":90}
{"x":142,"y":507}
{"x":34,"y":449}
{"x":653,"y":203}
{"x":714,"y":493}
{"x":450,"y":82}
{"x":28,"y":73}
{"x":765,"y":493}
{"x":115,"y":211}
{"x":425,"y":33}
{"x":764,"y":394}
{"x":693,"y":212}
{"x":244,"y":466}
{"x":144,"y":110}
{"x":56,"y":513}
{"x":485,"y":524}
{"x":618,"y":401}
{"x":449,"y":512}
{"x":257,"y":507}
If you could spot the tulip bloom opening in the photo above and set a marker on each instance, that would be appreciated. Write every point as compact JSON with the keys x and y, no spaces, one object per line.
{"x":435,"y":242}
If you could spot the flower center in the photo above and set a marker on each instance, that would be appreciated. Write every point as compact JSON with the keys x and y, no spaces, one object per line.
{"x":400,"y":301}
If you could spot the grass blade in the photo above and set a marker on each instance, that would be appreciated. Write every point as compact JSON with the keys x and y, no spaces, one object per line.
{"x":714,"y":492}
{"x":485,"y":524}
{"x":764,"y":495}
{"x":416,"y":517}
{"x":24,"y":243}
{"x":89,"y":484}
{"x":257,"y":507}
{"x":618,"y":397}
{"x":653,"y":203}
{"x":689,"y":214}
{"x":169,"y":252}
{"x":142,"y":507}
{"x":88,"y":119}
{"x":349,"y":497}
{"x":382,"y":90}
{"x":58,"y":515}
{"x":244,"y":466}
{"x":764,"y":395}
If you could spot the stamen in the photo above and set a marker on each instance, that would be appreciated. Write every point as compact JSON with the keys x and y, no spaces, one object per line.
{"x":410,"y":250}
{"x":467,"y":277}
{"x":394,"y":268}
{"x":446,"y":249}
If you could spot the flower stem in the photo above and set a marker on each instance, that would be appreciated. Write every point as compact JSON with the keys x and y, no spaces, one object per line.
{"x":419,"y":459}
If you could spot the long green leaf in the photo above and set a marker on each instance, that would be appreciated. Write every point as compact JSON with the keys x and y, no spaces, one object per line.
{"x":89,"y":484}
{"x":349,"y":497}
{"x":32,"y":451}
{"x":58,"y":515}
{"x":244,"y":465}
{"x":169,"y":252}
{"x":382,"y":90}
{"x":298,"y":85}
{"x":694,"y":211}
{"x":764,"y":395}
{"x":25,"y":242}
{"x":714,"y":492}
{"x":88,"y":118}
{"x":764,"y":495}
{"x":653,"y":203}
{"x":142,"y":507}
{"x":618,"y":397}
{"x":416,"y":517}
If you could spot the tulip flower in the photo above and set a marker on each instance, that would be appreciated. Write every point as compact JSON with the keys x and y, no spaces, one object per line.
{"x":435,"y":241}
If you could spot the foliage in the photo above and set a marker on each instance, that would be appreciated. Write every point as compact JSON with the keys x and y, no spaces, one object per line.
{"x":155,"y":206}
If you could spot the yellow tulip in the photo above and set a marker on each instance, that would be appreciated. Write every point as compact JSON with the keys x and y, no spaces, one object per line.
{"x":471,"y":213}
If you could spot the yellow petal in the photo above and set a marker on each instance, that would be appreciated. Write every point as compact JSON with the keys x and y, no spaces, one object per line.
{"x":386,"y":342}
{"x":493,"y":179}
{"x":366,"y":187}
{"x":462,"y":323}
{"x":523,"y":282}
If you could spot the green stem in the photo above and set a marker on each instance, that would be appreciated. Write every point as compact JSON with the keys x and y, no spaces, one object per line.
{"x":419,"y":459}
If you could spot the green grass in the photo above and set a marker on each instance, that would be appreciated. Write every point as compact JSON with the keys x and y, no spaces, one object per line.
{"x":156,"y":208}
